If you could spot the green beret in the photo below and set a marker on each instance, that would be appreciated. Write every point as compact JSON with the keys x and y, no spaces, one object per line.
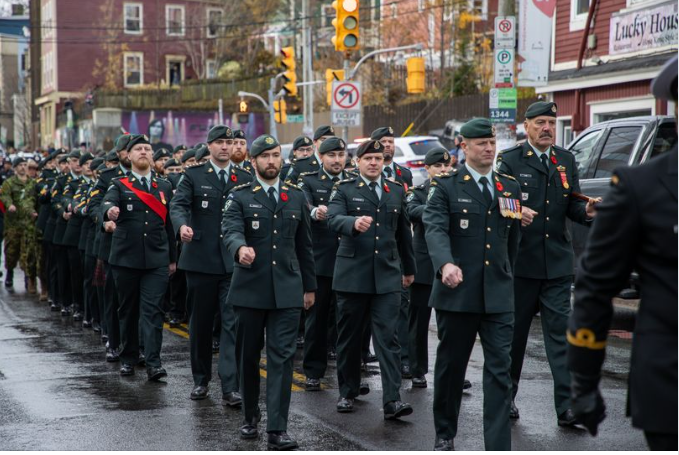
{"x":437,"y":155}
{"x":332,"y":144}
{"x":102,"y":167}
{"x":541,"y":108}
{"x":262,"y":144}
{"x":74,"y":154}
{"x":190,"y":153}
{"x":238,"y":134}
{"x":324,"y":130}
{"x":301,"y":141}
{"x":371,"y":146}
{"x":85,"y":158}
{"x":219,"y":132}
{"x":179,"y":148}
{"x":161,"y":153}
{"x":121,"y":142}
{"x":96,"y":163}
{"x":136,"y":139}
{"x":171,"y":162}
{"x":18,"y":161}
{"x":477,"y":128}
{"x":62,"y":159}
{"x":201,"y":152}
{"x":51,"y":156}
{"x":112,"y":156}
{"x":379,"y":133}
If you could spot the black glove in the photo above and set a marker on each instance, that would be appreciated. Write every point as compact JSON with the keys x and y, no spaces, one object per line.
{"x":586,"y":401}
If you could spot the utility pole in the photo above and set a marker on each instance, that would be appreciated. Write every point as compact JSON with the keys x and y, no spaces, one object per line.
{"x":307,"y":72}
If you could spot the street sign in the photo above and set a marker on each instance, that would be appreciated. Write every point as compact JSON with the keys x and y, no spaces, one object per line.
{"x":346,"y":103}
{"x":504,"y":68}
{"x":505,"y":32}
{"x":295,"y":118}
{"x":502,"y":103}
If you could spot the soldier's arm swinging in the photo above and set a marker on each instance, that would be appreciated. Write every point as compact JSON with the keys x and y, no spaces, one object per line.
{"x":180,"y":209}
{"x":305,"y":257}
{"x":233,"y":228}
{"x":338,"y":220}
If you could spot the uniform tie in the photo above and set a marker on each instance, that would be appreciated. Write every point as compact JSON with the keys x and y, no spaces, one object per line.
{"x":222,"y":176}
{"x":145,"y":183}
{"x":335,"y":179}
{"x":545,"y":163}
{"x":387,"y":171}
{"x":486,"y":192}
{"x":373,"y":188}
{"x":272,"y":195}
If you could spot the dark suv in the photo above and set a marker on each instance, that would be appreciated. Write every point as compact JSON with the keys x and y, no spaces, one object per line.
{"x":605,"y":146}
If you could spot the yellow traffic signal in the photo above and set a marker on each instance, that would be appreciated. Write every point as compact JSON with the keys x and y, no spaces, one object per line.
{"x":346,"y":25}
{"x":243,"y":106}
{"x":330,"y":76}
{"x":288,"y":62}
{"x":279,"y":108}
{"x":415,"y":80}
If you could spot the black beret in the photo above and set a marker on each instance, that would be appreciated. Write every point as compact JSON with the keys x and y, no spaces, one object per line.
{"x":161,"y":153}
{"x":112,"y":156}
{"x":17,"y":161}
{"x":171,"y":162}
{"x":62,"y":159}
{"x":101,"y":167}
{"x":332,"y":144}
{"x":42,"y":163}
{"x":51,"y":156}
{"x":219,"y":132}
{"x":371,"y":146}
{"x":324,"y":130}
{"x":136,"y":139}
{"x":86,"y":157}
{"x":540,"y":108}
{"x":379,"y":133}
{"x":190,"y":153}
{"x":74,"y":154}
{"x":178,"y":148}
{"x":477,"y":128}
{"x":238,"y":134}
{"x":262,"y":144}
{"x":437,"y":155}
{"x":96,"y":163}
{"x":201,"y":152}
{"x":301,"y":141}
{"x":121,"y":142}
{"x":664,"y":86}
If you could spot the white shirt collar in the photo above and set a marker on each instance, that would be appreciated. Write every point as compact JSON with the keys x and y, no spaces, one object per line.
{"x":538,"y":152}
{"x":217,"y":168}
{"x":139,"y":176}
{"x":477,"y":175}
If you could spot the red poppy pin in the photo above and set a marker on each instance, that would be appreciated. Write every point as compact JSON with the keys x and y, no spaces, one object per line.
{"x":386,"y":188}
{"x":234,"y":178}
{"x":284,"y":197}
{"x":154,"y":184}
{"x":499,"y":186}
{"x":553,"y":159}
{"x":398,"y":172}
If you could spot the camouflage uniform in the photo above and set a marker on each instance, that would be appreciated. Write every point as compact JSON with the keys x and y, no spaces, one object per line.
{"x":20,"y":223}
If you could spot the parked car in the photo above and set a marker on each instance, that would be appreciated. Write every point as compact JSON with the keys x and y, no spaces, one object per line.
{"x":604,"y":146}
{"x":410,"y":151}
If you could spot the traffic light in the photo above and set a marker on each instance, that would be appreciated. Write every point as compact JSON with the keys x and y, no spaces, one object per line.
{"x":346,"y":25}
{"x":415,"y":79}
{"x":243,"y":107}
{"x":288,"y":62}
{"x":279,"y":111}
{"x":330,"y":76}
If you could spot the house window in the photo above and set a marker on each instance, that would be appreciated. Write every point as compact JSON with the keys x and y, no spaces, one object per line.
{"x":133,"y":68}
{"x":211,"y":69}
{"x":394,"y":10}
{"x":479,"y":8}
{"x":420,"y":5}
{"x":328,"y":13}
{"x":174,"y":20}
{"x":376,"y":10}
{"x":214,"y":21}
{"x":579,"y":10}
{"x":133,"y":18}
{"x":175,"y":69}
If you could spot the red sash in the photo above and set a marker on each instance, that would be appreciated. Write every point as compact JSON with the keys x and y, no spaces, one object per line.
{"x":148,"y":199}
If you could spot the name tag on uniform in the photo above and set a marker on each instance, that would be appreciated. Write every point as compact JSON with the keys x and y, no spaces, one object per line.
{"x":469,"y":201}
{"x":255,"y":206}
{"x":524,"y":196}
{"x":358,"y":199}
{"x":255,"y":225}
{"x":525,"y":175}
{"x":321,"y":191}
{"x":205,"y":187}
{"x":204,"y":204}
{"x":464,"y":224}
{"x":129,"y":207}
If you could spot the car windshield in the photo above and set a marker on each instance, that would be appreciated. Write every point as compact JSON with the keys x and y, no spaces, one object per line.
{"x":422,"y":147}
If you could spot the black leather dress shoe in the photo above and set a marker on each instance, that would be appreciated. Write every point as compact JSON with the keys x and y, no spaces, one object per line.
{"x":345,"y":405}
{"x":332,"y":354}
{"x":126,"y":369}
{"x":405,"y":372}
{"x":232,"y":399}
{"x":370,"y":358}
{"x":396,"y":409}
{"x":466,"y":384}
{"x":442,"y":445}
{"x":249,"y":428}
{"x":199,"y":392}
{"x":104,"y":338}
{"x":77,"y":315}
{"x":65,"y":310}
{"x":513,"y":411}
{"x":112,"y":355}
{"x":54,"y":307}
{"x":174,"y":323}
{"x":141,"y":362}
{"x":312,"y":385}
{"x":96,"y":326}
{"x":279,"y":440}
{"x":86,"y":324}
{"x":419,"y":382}
{"x":567,"y":419}
{"x":364,"y":388}
{"x":215,"y":346}
{"x":155,"y":373}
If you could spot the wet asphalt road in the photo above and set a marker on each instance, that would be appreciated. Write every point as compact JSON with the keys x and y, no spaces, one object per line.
{"x":58,"y":393}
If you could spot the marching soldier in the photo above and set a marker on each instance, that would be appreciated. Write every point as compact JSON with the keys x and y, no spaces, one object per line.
{"x":317,"y":187}
{"x":178,"y":152}
{"x":548,"y":176}
{"x":369,"y":213}
{"x":50,"y":231}
{"x":312,"y":161}
{"x":302,"y":147}
{"x":196,"y":213}
{"x":42,"y":187}
{"x":391,"y":170}
{"x":267,"y":230}
{"x":160,"y":157}
{"x":472,"y":234}
{"x":202,"y":154}
{"x":635,"y":229}
{"x":189,"y":158}
{"x":437,"y":161}
{"x":239,"y":156}
{"x":143,"y":255}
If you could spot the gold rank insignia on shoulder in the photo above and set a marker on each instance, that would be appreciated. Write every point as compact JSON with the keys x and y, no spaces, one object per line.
{"x":434,"y":183}
{"x":585,"y":338}
{"x":257,"y":188}
{"x":361,"y":184}
{"x":210,"y":169}
{"x":530,"y":153}
{"x":467,"y":177}
{"x":323,"y":177}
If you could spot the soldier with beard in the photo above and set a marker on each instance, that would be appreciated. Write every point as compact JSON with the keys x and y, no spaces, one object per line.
{"x":239,"y":156}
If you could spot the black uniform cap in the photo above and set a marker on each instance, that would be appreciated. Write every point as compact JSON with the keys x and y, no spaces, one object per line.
{"x":161,"y":153}
{"x":437,"y":155}
{"x":17,"y":161}
{"x":379,"y":133}
{"x":178,"y":148}
{"x":121,"y":142}
{"x":112,"y":156}
{"x":136,"y":139}
{"x":85,"y":158}
{"x":74,"y":154}
{"x":94,"y":165}
{"x":541,"y":108}
{"x":324,"y":130}
{"x":171,"y":162}
{"x":190,"y":153}
{"x":62,"y":159}
{"x":332,"y":144}
{"x":477,"y":128}
{"x":201,"y":152}
{"x":301,"y":141}
{"x":238,"y":134}
{"x":219,"y":132}
{"x":262,"y":144}
{"x":371,"y":146}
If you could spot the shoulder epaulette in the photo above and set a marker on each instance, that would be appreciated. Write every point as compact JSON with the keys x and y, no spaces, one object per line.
{"x":351,"y":179}
{"x":444,"y":175}
{"x":240,"y":187}
{"x":506,"y":176}
{"x":511,"y":149}
{"x":308,"y":173}
{"x":292,"y":185}
{"x":242,"y":169}
{"x":394,"y":181}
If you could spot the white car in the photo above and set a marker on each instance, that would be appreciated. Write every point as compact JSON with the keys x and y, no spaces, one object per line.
{"x":410,"y":152}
